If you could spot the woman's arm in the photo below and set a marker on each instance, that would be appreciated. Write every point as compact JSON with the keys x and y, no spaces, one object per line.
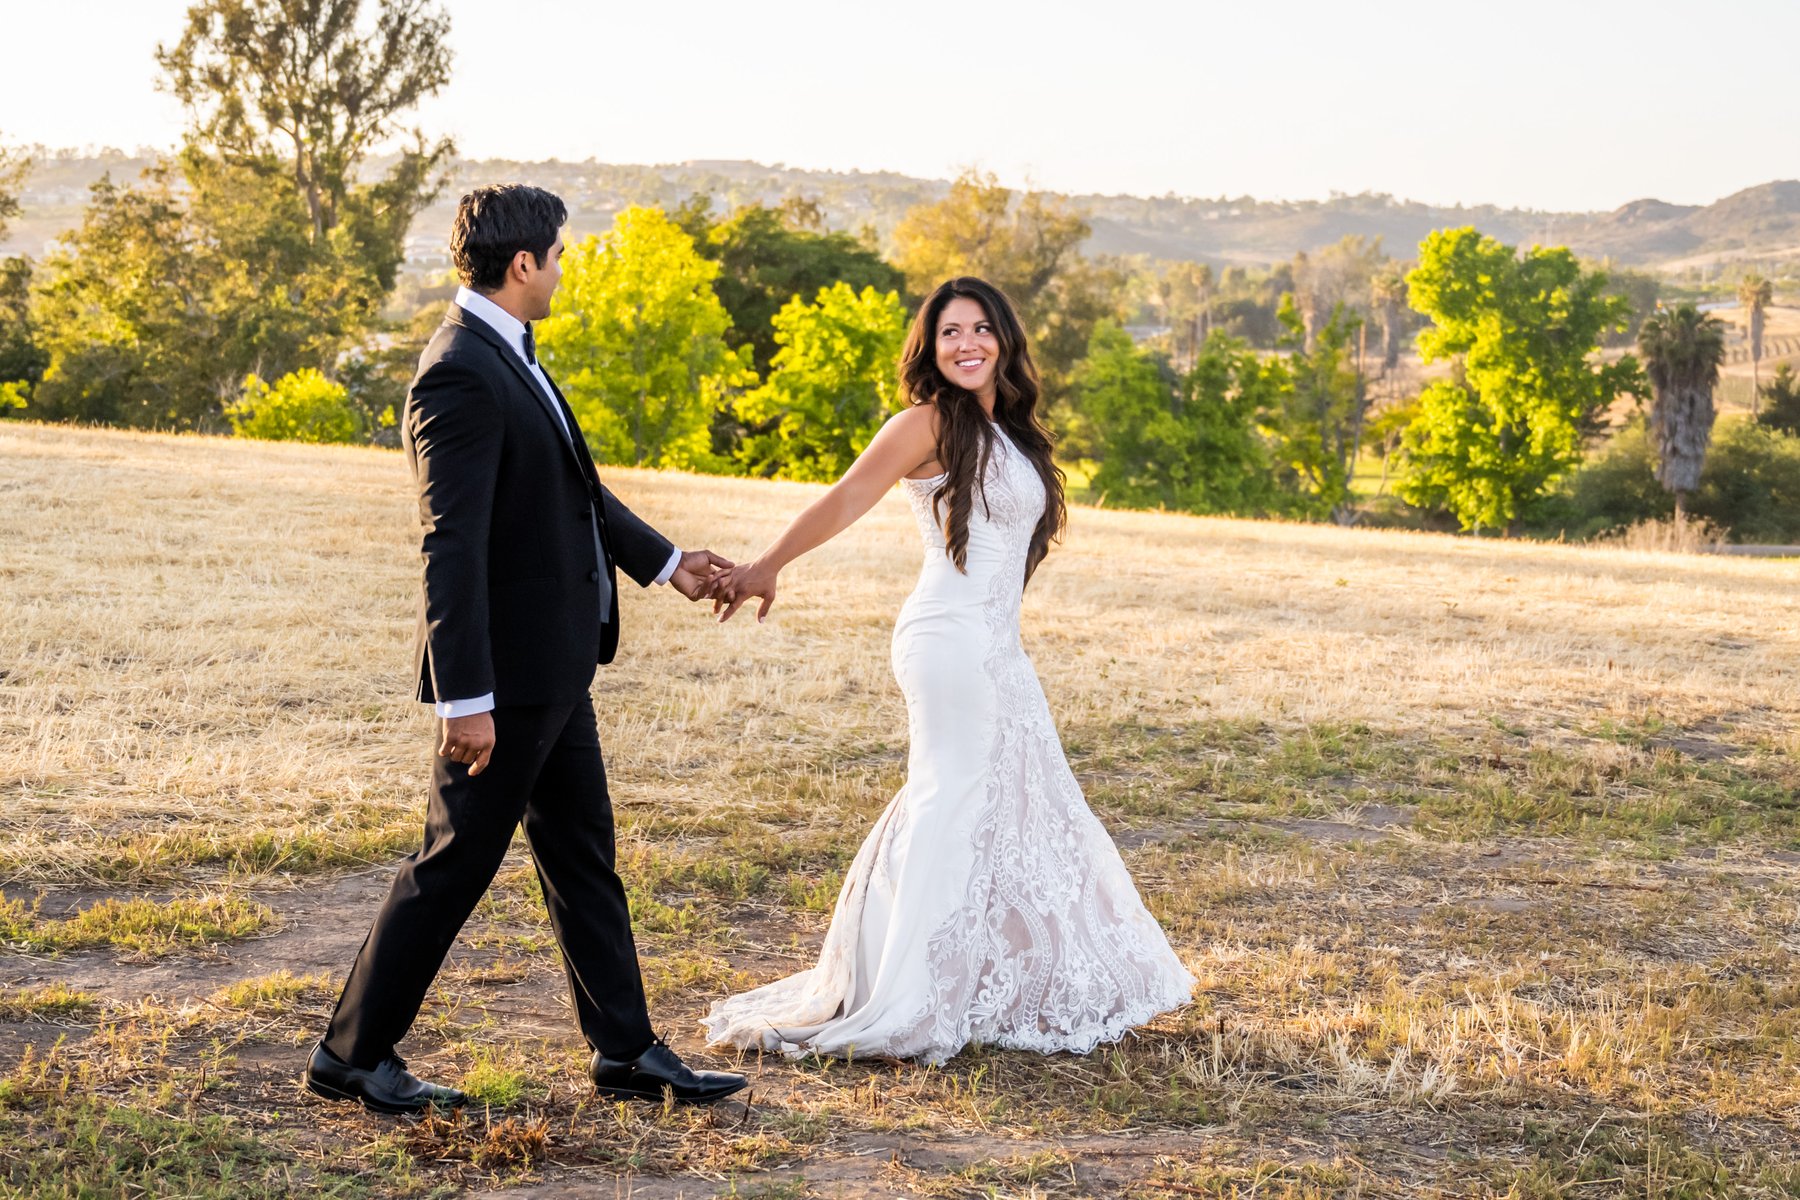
{"x":905,"y":443}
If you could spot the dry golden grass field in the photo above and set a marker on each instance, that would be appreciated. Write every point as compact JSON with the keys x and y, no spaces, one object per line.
{"x":1486,"y":854}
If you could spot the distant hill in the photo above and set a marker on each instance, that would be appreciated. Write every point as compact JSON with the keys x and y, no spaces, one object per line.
{"x":1759,"y":223}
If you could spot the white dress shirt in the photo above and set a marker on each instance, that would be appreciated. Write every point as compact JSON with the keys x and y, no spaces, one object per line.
{"x":512,"y":332}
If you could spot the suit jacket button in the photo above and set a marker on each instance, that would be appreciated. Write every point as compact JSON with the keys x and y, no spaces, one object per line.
{"x":593,"y":577}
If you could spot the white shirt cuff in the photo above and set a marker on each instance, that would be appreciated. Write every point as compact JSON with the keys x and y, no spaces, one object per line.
{"x":669,"y":569}
{"x":465,"y":708}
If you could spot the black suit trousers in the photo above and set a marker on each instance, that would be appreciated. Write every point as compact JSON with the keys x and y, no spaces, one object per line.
{"x":547,"y":772}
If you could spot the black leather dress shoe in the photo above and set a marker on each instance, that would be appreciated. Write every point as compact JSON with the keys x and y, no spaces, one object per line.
{"x":388,"y":1087}
{"x":656,"y":1071}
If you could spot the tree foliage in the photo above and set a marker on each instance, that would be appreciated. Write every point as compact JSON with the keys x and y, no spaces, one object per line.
{"x":832,"y":384}
{"x":1683,"y":349}
{"x":1750,"y":486}
{"x":1316,"y":422}
{"x":769,"y":256}
{"x":21,"y":359}
{"x":1521,"y":331}
{"x":256,"y":251}
{"x":637,"y":342}
{"x":171,"y":292}
{"x":1189,"y":443}
{"x":301,"y":407}
{"x":1780,"y":409}
{"x":15,"y":165}
{"x":308,"y":87}
{"x":128,"y":315}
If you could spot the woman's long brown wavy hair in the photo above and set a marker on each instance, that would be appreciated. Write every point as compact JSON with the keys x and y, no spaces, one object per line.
{"x":965,"y":440}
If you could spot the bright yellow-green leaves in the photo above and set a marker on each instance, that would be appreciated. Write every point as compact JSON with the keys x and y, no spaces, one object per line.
{"x":1523,"y":330}
{"x":833,"y":381}
{"x":636,"y":341}
{"x":302,"y":406}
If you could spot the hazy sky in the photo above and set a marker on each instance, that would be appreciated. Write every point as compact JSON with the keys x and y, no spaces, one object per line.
{"x":1575,"y":104}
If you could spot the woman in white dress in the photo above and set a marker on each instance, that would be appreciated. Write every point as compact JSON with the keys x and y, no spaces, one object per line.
{"x":988,"y":904}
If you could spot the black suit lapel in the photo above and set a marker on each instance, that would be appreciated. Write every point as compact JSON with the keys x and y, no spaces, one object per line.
{"x":481,"y":329}
{"x":581,"y":448}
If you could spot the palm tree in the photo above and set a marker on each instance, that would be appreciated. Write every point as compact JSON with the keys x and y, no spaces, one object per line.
{"x":1755,"y":293}
{"x":1387,"y":292}
{"x":1682,"y":349}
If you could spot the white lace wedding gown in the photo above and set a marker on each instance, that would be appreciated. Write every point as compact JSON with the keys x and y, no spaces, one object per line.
{"x":988,"y":903}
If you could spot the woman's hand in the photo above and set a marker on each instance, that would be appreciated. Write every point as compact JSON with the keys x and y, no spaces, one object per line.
{"x":736,"y":585}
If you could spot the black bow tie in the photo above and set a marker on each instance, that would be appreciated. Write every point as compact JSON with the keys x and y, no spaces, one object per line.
{"x":530,"y":347}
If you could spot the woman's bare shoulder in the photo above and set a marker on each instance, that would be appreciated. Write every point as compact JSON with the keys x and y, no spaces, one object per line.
{"x":916,"y":423}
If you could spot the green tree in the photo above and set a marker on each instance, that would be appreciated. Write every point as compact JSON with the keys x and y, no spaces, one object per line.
{"x":171,"y":292}
{"x":1755,"y":294}
{"x":1189,"y":444}
{"x":301,"y":407}
{"x":22,"y":360}
{"x":265,"y":254}
{"x":1030,"y":248}
{"x":307,"y":87}
{"x":768,"y":256}
{"x":127,"y":314}
{"x":1782,"y":412}
{"x":637,"y":342}
{"x":1749,"y":485}
{"x":832,"y":384}
{"x":1316,"y":423}
{"x":15,"y":165}
{"x":1521,"y":332}
{"x":1683,"y":349}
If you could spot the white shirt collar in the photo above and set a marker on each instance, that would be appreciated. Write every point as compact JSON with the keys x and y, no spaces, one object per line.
{"x":509,"y":327}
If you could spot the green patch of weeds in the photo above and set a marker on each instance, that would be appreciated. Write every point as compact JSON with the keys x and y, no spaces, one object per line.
{"x":281,"y":992}
{"x":816,"y":894}
{"x":139,"y":925}
{"x":1632,"y":1158}
{"x":672,"y":973}
{"x":81,"y":1147}
{"x":494,"y":1078}
{"x":56,"y":1004}
{"x":354,"y":840}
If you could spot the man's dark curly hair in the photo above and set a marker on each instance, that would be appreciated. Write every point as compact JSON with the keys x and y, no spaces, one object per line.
{"x":494,"y":223}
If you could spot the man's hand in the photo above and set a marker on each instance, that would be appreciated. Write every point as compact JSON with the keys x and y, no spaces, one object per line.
{"x":698,"y":573}
{"x":738,"y":584}
{"x":469,"y":740}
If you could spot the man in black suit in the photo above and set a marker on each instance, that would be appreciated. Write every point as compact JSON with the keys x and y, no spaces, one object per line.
{"x":517,"y":607}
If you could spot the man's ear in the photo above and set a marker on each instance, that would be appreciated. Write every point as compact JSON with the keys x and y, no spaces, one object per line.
{"x":521,"y":265}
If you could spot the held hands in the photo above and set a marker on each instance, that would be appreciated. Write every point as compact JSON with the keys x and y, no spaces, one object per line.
{"x":698,"y":573}
{"x":703,"y":575}
{"x":734,"y":586}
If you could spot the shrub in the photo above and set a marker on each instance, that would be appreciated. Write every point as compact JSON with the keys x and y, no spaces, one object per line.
{"x":300,"y":407}
{"x":1750,"y":486}
{"x":1781,"y":401}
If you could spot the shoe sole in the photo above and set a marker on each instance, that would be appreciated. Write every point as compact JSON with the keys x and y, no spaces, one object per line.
{"x":656,"y":1097}
{"x":331,"y":1093}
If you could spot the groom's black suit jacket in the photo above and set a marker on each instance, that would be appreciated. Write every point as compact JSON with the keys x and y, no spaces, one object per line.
{"x":511,"y":588}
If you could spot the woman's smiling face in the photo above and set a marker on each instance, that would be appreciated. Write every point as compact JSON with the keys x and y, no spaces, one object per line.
{"x":968,"y":350}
